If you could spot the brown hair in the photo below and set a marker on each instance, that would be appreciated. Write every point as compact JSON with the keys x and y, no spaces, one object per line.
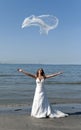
{"x":42,"y":73}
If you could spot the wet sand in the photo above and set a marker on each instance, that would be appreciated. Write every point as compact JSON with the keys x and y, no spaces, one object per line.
{"x":24,"y":122}
{"x":18,"y":118}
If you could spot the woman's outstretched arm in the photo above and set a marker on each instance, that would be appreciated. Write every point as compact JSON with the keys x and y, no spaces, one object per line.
{"x":26,"y":73}
{"x":53,"y":75}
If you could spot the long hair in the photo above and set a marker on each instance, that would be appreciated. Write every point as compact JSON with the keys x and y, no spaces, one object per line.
{"x":42,"y":72}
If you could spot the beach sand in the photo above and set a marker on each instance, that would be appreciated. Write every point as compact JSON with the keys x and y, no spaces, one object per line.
{"x":18,"y":118}
{"x":24,"y":122}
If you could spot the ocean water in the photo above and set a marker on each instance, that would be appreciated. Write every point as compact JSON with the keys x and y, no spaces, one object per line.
{"x":17,"y":88}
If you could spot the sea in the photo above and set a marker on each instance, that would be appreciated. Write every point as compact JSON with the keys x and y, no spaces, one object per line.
{"x":17,"y":88}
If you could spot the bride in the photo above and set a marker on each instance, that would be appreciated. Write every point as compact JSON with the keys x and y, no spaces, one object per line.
{"x":41,"y":108}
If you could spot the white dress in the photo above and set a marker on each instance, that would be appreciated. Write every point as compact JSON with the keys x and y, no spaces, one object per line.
{"x":41,"y":107}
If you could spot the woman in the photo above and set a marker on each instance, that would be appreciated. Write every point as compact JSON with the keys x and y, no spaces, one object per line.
{"x":41,"y":107}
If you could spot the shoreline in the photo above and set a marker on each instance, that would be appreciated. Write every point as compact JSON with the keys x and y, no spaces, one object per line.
{"x":65,"y":105}
{"x":71,"y":109}
{"x":53,"y":101}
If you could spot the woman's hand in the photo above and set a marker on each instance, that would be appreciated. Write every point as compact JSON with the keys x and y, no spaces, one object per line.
{"x":20,"y":70}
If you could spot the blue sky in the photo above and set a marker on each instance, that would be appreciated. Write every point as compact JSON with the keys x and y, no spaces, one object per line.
{"x":60,"y":46}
